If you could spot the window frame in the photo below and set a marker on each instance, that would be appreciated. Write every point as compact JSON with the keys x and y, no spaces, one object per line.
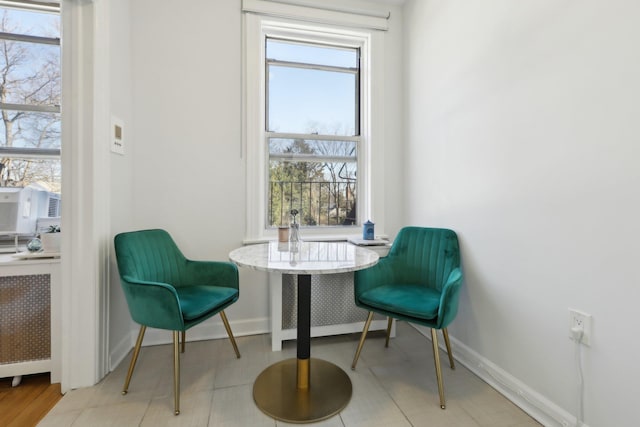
{"x":271,"y":134}
{"x":35,"y":153}
{"x":255,"y":138}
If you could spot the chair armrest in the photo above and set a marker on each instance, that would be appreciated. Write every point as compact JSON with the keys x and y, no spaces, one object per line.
{"x":372,"y":277}
{"x":449,"y":298}
{"x":215,"y":273}
{"x":153,"y":304}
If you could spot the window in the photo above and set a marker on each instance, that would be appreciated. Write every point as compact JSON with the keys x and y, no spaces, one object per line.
{"x":313,"y":118}
{"x":29,"y":98}
{"x":312,"y":106}
{"x":30,"y":122}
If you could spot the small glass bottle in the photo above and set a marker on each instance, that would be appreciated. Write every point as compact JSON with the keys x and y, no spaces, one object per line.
{"x":294,"y":234}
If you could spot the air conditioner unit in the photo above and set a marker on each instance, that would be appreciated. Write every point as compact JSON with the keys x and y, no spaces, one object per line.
{"x":54,"y":207}
{"x":18,"y":210}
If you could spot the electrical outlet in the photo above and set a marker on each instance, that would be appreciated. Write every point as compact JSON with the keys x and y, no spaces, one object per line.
{"x":581,"y":320}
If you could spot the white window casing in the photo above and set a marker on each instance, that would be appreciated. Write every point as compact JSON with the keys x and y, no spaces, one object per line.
{"x":265,"y":18}
{"x":319,"y":12}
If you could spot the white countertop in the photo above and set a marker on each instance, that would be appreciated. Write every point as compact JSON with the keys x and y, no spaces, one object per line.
{"x":304,"y":258}
{"x":11,"y":260}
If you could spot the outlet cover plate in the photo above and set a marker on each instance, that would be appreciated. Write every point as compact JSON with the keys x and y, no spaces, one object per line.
{"x":580,"y":319}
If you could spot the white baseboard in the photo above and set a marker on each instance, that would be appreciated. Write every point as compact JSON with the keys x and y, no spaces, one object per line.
{"x":533,"y":403}
{"x":121,"y":349}
{"x":212,"y":328}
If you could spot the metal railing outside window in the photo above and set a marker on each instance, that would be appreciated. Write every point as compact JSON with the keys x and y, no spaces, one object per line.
{"x":320,"y":203}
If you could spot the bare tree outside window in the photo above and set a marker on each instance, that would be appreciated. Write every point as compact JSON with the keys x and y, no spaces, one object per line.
{"x":30,"y":99}
{"x":313,"y":112}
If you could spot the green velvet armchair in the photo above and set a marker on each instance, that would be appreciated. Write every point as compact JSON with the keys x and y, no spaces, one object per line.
{"x":165,"y":290}
{"x":419,"y":282}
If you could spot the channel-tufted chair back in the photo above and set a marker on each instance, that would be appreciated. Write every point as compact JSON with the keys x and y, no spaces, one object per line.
{"x":418,"y":281}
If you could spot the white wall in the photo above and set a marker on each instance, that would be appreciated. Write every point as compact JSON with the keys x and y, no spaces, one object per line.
{"x":522,"y":135}
{"x":394,"y":134}
{"x":189,"y":175}
{"x":121,"y":170}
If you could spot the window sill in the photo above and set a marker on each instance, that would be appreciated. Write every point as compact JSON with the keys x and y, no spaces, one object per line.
{"x":313,"y":238}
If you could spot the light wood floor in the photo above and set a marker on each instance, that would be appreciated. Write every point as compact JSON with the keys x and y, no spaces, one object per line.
{"x":391,"y":387}
{"x":26,"y":404}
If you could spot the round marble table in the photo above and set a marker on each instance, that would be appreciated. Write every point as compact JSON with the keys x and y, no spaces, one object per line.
{"x":303,"y":389}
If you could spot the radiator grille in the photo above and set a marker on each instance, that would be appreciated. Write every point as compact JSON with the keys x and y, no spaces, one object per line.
{"x":25,"y":318}
{"x":331,"y":300}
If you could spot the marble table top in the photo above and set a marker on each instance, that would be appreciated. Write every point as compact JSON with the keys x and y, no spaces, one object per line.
{"x":304,"y":257}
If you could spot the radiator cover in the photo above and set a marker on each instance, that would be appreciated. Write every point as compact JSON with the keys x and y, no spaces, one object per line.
{"x":332,"y":300}
{"x":25,"y":318}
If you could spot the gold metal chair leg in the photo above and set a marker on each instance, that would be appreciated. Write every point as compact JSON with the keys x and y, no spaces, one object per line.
{"x":386,"y":342}
{"x":176,"y":372}
{"x":184,"y":340}
{"x":134,"y":359}
{"x":228,"y":328}
{"x":362,"y":338}
{"x":436,"y":358}
{"x":448,"y":344}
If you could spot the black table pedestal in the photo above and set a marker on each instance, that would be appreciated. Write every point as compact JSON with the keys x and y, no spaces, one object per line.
{"x":304,"y":389}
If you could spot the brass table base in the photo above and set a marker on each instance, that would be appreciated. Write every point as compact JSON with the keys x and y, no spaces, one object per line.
{"x":277,"y":394}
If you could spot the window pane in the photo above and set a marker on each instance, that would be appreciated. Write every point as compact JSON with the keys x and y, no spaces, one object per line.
{"x":281,"y":146}
{"x":30,"y":23}
{"x":32,"y":73}
{"x":323,"y":192}
{"x":19,"y":172}
{"x":29,"y":130}
{"x":311,"y":101}
{"x":31,"y":77}
{"x":312,"y":54}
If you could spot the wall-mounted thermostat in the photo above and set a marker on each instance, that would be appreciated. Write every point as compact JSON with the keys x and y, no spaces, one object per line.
{"x":117,"y":135}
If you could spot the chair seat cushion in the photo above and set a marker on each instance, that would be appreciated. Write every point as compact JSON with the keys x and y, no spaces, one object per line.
{"x":196,"y":301}
{"x":404,"y":299}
